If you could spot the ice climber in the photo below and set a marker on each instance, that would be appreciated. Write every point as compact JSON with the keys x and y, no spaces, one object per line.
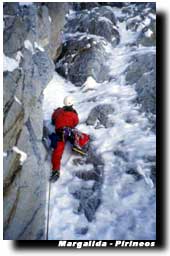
{"x":64,"y":119}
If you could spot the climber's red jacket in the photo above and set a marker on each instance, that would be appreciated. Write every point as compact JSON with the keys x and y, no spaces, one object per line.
{"x":62,"y":117}
{"x":65,"y":117}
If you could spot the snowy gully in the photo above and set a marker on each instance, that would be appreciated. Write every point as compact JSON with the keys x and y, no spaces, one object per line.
{"x":110,"y":195}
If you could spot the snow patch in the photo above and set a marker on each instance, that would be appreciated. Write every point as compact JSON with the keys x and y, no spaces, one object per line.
{"x":23,"y":155}
{"x":17,"y":100}
{"x":90,"y":84}
{"x":18,"y":57}
{"x":145,"y":173}
{"x":124,"y":36}
{"x":5,"y":154}
{"x":28,"y":45}
{"x":88,"y":46}
{"x":36,"y":45}
{"x":147,"y":21}
{"x":9,"y":64}
{"x":50,"y":20}
{"x":148,"y":33}
{"x":152,"y":16}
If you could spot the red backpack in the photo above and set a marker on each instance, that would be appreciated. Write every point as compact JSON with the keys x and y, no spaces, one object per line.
{"x":81,"y":141}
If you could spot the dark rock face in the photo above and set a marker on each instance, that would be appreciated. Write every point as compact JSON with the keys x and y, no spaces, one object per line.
{"x":100,"y":113}
{"x":89,"y":194}
{"x":88,"y":5}
{"x":114,"y":4}
{"x":147,"y":92}
{"x":82,"y":57}
{"x":140,"y":65}
{"x":27,"y":33}
{"x":39,"y":21}
{"x":81,"y":230}
{"x":57,"y":12}
{"x":133,"y":8}
{"x":99,"y":21}
{"x":141,"y":18}
{"x":147,"y":36}
{"x":143,"y":68}
{"x":82,"y":6}
{"x":142,"y":73}
{"x":147,"y":27}
{"x":11,"y":9}
{"x":90,"y":207}
{"x":134,"y":173}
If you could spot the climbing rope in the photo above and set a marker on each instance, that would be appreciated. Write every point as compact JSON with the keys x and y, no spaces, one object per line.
{"x":48,"y":210}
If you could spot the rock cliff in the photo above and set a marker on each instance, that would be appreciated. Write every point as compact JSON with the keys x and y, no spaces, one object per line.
{"x":32,"y":39}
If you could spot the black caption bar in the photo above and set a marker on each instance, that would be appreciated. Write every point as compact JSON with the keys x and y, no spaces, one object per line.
{"x":104,"y":244}
{"x":85,"y":244}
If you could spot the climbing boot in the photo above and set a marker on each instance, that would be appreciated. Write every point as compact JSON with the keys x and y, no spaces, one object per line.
{"x":54,"y":176}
